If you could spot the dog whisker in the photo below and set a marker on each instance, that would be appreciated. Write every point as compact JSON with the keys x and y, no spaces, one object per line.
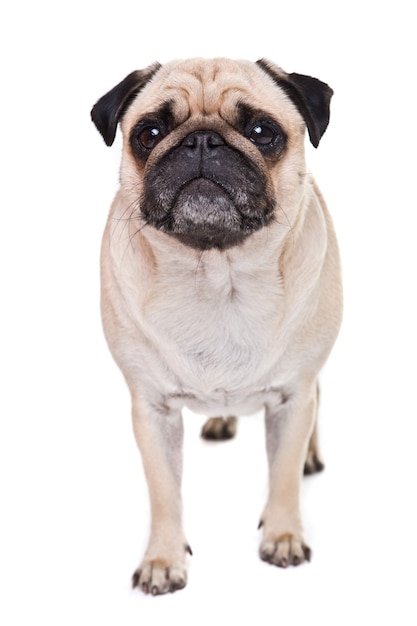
{"x":138,"y":230}
{"x":124,"y":222}
{"x":197,"y":269}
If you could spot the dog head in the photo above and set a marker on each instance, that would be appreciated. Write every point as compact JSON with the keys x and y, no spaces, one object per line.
{"x":213,"y":149}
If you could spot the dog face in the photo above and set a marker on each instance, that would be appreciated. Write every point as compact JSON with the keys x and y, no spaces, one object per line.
{"x":213,"y":150}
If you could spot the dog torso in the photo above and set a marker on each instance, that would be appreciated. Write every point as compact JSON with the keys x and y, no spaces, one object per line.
{"x":220,"y":332}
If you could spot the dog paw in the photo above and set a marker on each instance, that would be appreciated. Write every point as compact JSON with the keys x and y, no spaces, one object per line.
{"x":313,"y":464}
{"x":159,"y":576}
{"x":219,"y":429}
{"x":285,"y":550}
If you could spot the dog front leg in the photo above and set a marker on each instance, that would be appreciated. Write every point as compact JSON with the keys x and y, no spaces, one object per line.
{"x":159,"y":436}
{"x":288,"y":430}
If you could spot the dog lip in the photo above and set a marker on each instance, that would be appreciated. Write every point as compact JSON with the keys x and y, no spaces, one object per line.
{"x":205,"y":214}
{"x":205,"y":201}
{"x":203,"y":185}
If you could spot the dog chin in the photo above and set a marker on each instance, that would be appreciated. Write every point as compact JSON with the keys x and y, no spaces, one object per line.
{"x":204,"y":216}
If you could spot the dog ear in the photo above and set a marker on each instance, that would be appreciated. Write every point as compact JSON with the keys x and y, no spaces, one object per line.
{"x":109,"y":110}
{"x":310,"y":95}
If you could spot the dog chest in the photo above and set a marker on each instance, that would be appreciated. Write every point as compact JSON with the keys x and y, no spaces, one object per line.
{"x":216,"y":329}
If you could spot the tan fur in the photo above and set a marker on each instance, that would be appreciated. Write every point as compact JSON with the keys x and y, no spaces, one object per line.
{"x":221,"y":332}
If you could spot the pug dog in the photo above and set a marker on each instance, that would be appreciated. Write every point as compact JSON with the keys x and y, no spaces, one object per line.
{"x":221,"y":282}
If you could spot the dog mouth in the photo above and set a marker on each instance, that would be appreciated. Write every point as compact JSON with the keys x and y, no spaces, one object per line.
{"x":214,"y":199}
{"x":204,"y":216}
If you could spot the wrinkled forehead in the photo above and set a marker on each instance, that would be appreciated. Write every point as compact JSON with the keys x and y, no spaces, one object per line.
{"x":210,"y":88}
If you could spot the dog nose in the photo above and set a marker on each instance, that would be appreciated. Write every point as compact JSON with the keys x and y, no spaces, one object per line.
{"x":203,"y":140}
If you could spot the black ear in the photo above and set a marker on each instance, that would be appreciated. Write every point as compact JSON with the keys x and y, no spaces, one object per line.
{"x":107,"y":112}
{"x":310,"y":96}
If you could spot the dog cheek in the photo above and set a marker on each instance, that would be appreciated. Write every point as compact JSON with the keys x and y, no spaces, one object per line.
{"x":158,"y":194}
{"x":131,"y":177}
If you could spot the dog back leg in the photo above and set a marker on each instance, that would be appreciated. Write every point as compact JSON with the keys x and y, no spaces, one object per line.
{"x":219,"y":428}
{"x":313,"y":462}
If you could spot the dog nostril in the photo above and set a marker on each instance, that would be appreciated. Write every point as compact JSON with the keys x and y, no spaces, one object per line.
{"x":203,"y":139}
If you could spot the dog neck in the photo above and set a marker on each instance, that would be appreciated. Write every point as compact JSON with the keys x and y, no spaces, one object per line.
{"x":251,"y":256}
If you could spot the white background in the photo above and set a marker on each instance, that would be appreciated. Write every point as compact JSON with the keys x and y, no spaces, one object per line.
{"x":74,"y":509}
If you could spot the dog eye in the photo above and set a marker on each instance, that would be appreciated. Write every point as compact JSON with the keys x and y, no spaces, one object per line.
{"x":262,"y":135}
{"x":149,"y":137}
